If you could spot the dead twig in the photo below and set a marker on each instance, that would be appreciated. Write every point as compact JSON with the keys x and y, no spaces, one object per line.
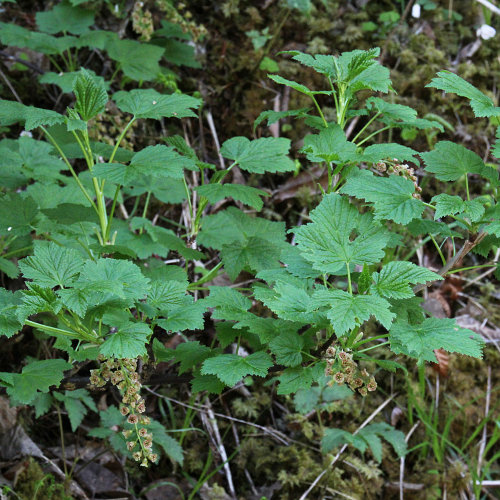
{"x":213,"y":431}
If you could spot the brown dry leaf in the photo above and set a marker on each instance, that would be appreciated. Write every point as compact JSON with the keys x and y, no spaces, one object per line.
{"x":8,"y":415}
{"x":443,"y":361}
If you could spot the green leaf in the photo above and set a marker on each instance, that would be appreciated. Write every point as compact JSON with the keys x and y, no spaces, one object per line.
{"x":124,"y":275}
{"x":329,"y":241}
{"x":294,"y":85}
{"x":17,"y":214}
{"x":480,"y":103}
{"x":449,"y":161}
{"x":65,"y":18}
{"x":147,"y":103}
{"x":52,"y":265}
{"x":299,"y":377}
{"x":345,"y":311}
{"x":228,"y":303}
{"x":65,"y":80}
{"x":9,"y":303}
{"x":392,"y":196}
{"x":168,"y":295}
{"x":37,"y":376}
{"x":231,"y":368}
{"x":245,"y":242}
{"x":268,"y":154}
{"x":333,"y":438}
{"x":161,"y":161}
{"x":378,"y":152}
{"x":170,"y":446}
{"x":138,"y":61}
{"x":393,"y":281}
{"x":398,"y":115}
{"x":303,"y":6}
{"x":329,"y":145}
{"x":274,"y":116}
{"x":495,"y":150}
{"x":188,"y":317}
{"x":419,"y":341}
{"x":42,"y":404}
{"x":11,"y":34}
{"x":9,"y":268}
{"x":288,"y":301}
{"x":74,"y":404}
{"x":91,"y":95}
{"x":13,"y":112}
{"x":128,"y":342}
{"x":368,"y":435}
{"x":451,"y":205}
{"x":209,"y":383}
{"x":191,"y":354}
{"x":248,"y":195}
{"x":287,"y":348}
{"x":418,"y":227}
{"x":30,"y":159}
{"x":394,"y":437}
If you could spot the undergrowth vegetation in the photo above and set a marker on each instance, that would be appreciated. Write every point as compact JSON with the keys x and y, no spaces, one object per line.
{"x":158,"y":300}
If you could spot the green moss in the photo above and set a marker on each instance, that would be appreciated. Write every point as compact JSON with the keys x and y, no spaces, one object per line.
{"x":34,"y":484}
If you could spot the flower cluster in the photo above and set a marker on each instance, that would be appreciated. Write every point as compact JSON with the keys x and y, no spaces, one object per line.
{"x":344,"y":370}
{"x":123,"y":374}
{"x":396,"y":168}
{"x":142,"y":21}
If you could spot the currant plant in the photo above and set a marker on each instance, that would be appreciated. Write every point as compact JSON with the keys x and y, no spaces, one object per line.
{"x":325,"y":298}
{"x":83,"y":286}
{"x":66,"y":35}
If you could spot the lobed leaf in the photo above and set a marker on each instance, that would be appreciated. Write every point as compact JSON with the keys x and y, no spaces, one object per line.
{"x":339,"y":235}
{"x":420,"y":341}
{"x":231,"y":368}
{"x":148,"y":103}
{"x":392,"y":196}
{"x":268,"y":154}
{"x":480,"y":103}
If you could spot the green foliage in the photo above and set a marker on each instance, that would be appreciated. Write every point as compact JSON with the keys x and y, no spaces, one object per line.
{"x":268,"y":154}
{"x":37,"y":376}
{"x":327,"y":242}
{"x":113,"y":283}
{"x":420,"y":341}
{"x":480,"y":103}
{"x":367,"y":437}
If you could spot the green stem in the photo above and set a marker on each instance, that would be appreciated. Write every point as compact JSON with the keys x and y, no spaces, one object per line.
{"x":145,"y":210}
{"x":467,"y":186}
{"x":52,"y":329}
{"x":329,"y":167}
{"x":70,"y":168}
{"x":470,"y":268}
{"x":371,"y":339}
{"x":112,"y":212}
{"x":210,"y":275}
{"x":82,"y":147}
{"x":63,"y":449}
{"x":443,"y":260}
{"x":373,"y":135}
{"x":349,"y":283}
{"x":120,"y":138}
{"x":374,"y":347}
{"x":56,"y":65}
{"x":374,"y":117}
{"x":319,"y":111}
{"x":14,"y":252}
